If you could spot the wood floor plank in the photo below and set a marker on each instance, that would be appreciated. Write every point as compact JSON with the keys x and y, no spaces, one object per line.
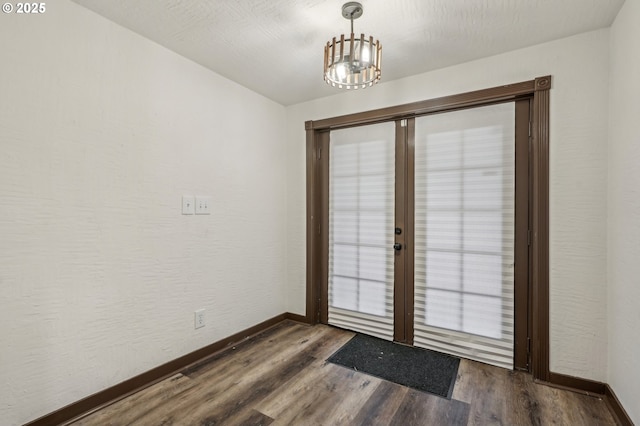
{"x":281,"y":377}
{"x":296,"y":389}
{"x":487,"y":407}
{"x":595,"y":411}
{"x":512,"y":397}
{"x":238,"y":399}
{"x":293,"y":396}
{"x":126,"y":411}
{"x":243,"y":352}
{"x":304,"y":391}
{"x":251,"y":418}
{"x":380,"y":408}
{"x":223,"y":381}
{"x":522,"y":405}
{"x":228,"y":364}
{"x":419,"y":408}
{"x":569,"y":407}
{"x":319,"y":404}
{"x":357,"y":392}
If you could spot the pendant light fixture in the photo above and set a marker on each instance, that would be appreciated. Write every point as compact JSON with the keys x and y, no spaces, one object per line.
{"x":352,"y":62}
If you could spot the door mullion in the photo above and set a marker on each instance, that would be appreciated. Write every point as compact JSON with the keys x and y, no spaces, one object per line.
{"x":404,"y":217}
{"x":399,"y":290}
{"x":410,"y":135}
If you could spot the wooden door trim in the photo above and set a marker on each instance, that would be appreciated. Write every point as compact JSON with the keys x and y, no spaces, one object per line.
{"x":317,"y":200}
{"x":313,"y":252}
{"x":538,"y":90}
{"x":446,"y":103}
{"x":540,"y":229}
{"x":323,"y":180}
{"x":522,"y":309}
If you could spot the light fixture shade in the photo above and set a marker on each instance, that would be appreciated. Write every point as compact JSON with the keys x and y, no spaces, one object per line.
{"x":352,"y":63}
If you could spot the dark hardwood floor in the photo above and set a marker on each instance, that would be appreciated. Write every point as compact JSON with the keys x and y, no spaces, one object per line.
{"x":280,"y":377}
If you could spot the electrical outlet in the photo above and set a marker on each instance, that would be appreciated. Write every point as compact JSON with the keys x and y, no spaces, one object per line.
{"x":199,"y":318}
{"x":203,"y":204}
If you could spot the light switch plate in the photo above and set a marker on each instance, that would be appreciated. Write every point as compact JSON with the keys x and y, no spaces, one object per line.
{"x":199,"y":318}
{"x":203,"y":204}
{"x":188,"y":204}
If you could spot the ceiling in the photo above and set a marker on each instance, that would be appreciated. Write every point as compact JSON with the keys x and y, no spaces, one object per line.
{"x":275,"y":47}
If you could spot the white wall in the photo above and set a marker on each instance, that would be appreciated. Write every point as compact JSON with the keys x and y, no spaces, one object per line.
{"x":101,"y":132}
{"x":624,"y":210}
{"x":579,"y":105}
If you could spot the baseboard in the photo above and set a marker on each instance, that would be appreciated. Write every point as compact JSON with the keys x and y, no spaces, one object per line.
{"x":297,"y":318}
{"x":616,"y":408}
{"x":122,"y":390}
{"x":592,"y":388}
{"x":577,"y":384}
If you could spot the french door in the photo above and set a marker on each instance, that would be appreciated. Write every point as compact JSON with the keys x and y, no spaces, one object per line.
{"x":361,"y":219}
{"x":423,"y":228}
{"x":465,"y":233}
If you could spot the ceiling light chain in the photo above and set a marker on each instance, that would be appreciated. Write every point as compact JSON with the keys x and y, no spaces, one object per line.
{"x":352,"y":63}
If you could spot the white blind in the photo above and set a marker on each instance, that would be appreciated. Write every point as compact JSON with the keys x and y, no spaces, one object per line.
{"x":361,"y":224}
{"x":464,"y":233}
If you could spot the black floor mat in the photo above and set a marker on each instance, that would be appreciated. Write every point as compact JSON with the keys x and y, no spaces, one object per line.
{"x":409,"y":366}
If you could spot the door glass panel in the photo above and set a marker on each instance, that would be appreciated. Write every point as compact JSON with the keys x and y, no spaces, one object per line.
{"x":361,"y":224}
{"x":464,"y":233}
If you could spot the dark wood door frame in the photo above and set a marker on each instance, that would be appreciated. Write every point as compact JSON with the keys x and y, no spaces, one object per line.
{"x":522,"y":278}
{"x":317,"y":195}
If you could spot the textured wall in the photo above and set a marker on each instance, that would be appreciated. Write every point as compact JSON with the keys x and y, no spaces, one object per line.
{"x":579,"y":105}
{"x":101,"y":132}
{"x":624,"y":210}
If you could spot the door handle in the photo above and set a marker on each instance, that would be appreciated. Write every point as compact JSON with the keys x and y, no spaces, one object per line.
{"x":397,"y":246}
